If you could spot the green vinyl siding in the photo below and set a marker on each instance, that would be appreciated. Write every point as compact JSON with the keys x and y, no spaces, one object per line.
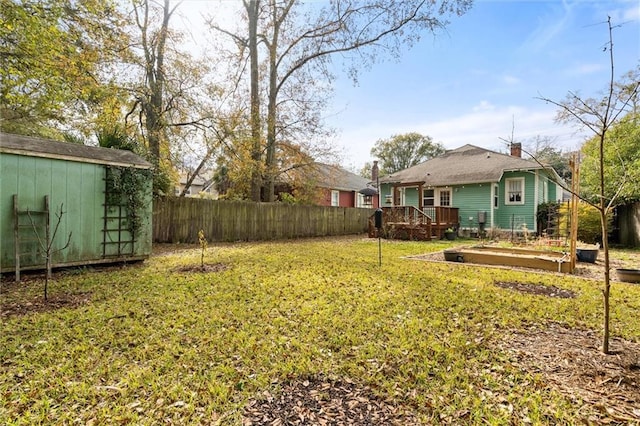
{"x":411,"y":196}
{"x":77,"y":188}
{"x":541,"y":187}
{"x":471,"y":199}
{"x":386,"y":194}
{"x":555,"y":191}
{"x":516,"y":216}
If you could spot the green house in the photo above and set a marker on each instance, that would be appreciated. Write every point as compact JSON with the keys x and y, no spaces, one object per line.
{"x":489,"y":189}
{"x":77,"y":189}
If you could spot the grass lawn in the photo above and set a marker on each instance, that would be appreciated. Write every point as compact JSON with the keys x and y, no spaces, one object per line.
{"x":153,"y":345}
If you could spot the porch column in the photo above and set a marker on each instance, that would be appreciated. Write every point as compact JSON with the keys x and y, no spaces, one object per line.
{"x":420,"y":201}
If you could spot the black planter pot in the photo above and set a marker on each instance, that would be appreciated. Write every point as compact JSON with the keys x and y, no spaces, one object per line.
{"x":453,"y":256}
{"x":450,"y":236}
{"x":628,"y":275}
{"x":587,"y":255}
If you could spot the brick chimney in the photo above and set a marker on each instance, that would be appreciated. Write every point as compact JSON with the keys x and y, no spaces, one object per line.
{"x":516,"y":149}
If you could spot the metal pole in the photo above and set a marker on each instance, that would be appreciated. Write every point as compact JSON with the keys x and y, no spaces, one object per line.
{"x":379,"y":240}
{"x":375,"y":177}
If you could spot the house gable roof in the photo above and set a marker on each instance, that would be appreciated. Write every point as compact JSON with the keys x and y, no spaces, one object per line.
{"x":465,"y":165}
{"x":46,"y":148}
{"x":335,"y":177}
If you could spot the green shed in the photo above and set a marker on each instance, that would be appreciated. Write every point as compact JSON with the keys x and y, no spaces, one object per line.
{"x":99,"y":199}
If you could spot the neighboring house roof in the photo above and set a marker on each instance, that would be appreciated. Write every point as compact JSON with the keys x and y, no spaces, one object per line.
{"x":335,"y":177}
{"x":203,"y":180}
{"x":465,"y":165}
{"x":197,"y":181}
{"x":46,"y":148}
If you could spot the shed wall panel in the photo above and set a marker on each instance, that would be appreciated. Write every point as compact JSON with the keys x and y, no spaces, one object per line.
{"x":77,"y":188}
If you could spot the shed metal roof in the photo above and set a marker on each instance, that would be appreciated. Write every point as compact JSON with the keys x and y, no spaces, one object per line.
{"x":465,"y":165}
{"x":46,"y":148}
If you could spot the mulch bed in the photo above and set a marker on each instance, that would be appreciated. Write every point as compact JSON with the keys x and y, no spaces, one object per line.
{"x":539,"y":289}
{"x":324,"y":401}
{"x":206,"y":268}
{"x":19,"y":307}
{"x":572,"y":362}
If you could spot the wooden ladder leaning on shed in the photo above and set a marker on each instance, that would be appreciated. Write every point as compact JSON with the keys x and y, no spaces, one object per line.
{"x":25,"y":242}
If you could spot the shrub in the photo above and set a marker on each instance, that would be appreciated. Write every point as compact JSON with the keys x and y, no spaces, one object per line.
{"x":589,"y":228}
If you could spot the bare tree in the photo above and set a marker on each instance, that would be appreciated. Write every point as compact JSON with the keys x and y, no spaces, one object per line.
{"x":46,"y":244}
{"x":598,"y":116}
{"x":300,"y":40}
{"x":153,"y":45}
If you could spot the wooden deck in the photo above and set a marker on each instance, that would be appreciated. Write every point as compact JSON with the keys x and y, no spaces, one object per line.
{"x":410,"y":223}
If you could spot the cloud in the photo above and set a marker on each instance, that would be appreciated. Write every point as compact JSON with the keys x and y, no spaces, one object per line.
{"x":488,"y":127}
{"x":627,"y":13}
{"x":483,"y":106}
{"x":484,"y":125}
{"x":548,"y":28}
{"x":510,"y":80}
{"x":584,"y":69}
{"x":632,"y":13}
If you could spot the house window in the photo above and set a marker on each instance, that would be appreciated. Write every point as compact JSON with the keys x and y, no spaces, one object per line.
{"x":335,"y":198}
{"x":428,"y":198}
{"x":364,"y":200}
{"x":445,"y":197}
{"x":514,"y":191}
{"x":545,"y":191}
{"x":496,"y":194}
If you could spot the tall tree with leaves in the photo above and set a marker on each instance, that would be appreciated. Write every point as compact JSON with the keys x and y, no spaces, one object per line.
{"x":621,"y":163}
{"x":600,"y":116}
{"x":405,"y":150}
{"x":55,"y":57}
{"x":301,"y":39}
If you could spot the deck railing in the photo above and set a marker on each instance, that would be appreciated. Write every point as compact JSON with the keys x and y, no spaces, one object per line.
{"x":433,"y":221}
{"x":405,"y":214}
{"x":443,"y":215}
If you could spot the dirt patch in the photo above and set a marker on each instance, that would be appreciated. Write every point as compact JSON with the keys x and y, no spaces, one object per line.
{"x":606,"y":388}
{"x":323,"y":401}
{"x":27,"y":296}
{"x":20,"y":305}
{"x":571,"y":360}
{"x":206,"y":268}
{"x":539,"y":289}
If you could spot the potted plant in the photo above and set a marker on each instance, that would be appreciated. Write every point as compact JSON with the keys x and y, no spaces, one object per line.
{"x":450,"y":234}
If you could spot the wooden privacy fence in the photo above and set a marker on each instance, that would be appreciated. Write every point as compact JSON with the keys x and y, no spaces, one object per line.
{"x":178,"y":220}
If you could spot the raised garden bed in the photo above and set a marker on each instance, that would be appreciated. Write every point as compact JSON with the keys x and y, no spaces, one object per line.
{"x":526,"y":258}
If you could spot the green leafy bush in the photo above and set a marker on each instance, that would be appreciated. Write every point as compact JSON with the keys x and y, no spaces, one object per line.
{"x":589,"y":228}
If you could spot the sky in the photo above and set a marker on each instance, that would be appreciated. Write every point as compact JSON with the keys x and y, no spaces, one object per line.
{"x":478,"y":81}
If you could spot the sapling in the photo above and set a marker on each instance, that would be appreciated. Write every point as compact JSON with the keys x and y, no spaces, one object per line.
{"x":47,"y":245}
{"x":203,"y":246}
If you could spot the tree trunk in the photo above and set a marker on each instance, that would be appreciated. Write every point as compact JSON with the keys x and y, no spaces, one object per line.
{"x":256,"y":146}
{"x":153,"y":106}
{"x":269,"y":186}
{"x":606,"y":291}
